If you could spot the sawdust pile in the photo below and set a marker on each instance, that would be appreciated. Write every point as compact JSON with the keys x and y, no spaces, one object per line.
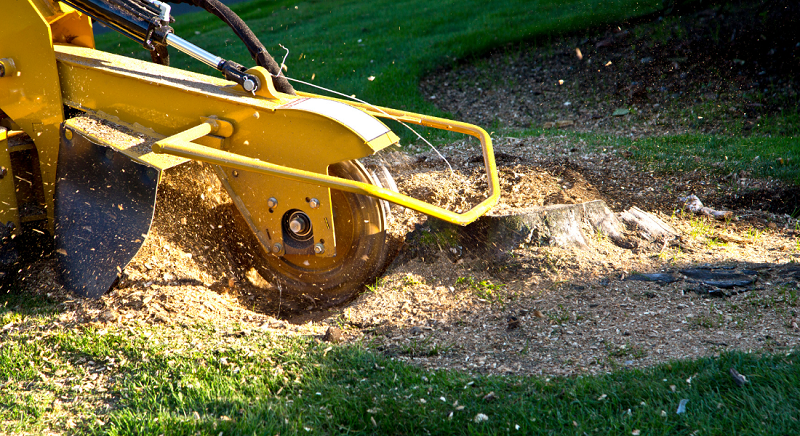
{"x":191,"y":269}
{"x":554,"y":310}
{"x":185,"y":272}
{"x":524,"y":180}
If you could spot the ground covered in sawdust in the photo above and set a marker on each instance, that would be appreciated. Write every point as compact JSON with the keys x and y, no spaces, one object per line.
{"x":549,"y":310}
{"x":561,"y":310}
{"x":552,"y":310}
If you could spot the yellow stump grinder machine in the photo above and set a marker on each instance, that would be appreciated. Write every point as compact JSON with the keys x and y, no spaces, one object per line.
{"x":86,"y":135}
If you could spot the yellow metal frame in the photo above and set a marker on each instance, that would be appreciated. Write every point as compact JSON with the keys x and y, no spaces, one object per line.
{"x":31,"y":96}
{"x":169,"y":101}
{"x":181,"y":145}
{"x":8,"y":201}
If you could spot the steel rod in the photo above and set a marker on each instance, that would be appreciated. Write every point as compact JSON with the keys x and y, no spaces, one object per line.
{"x":194,"y":51}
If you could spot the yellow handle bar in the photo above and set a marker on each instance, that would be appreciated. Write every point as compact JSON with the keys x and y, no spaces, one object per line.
{"x":180,"y":145}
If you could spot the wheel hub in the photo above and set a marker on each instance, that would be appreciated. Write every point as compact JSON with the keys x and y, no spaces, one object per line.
{"x":298,"y":225}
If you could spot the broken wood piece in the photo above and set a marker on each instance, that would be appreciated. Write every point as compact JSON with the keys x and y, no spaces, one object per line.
{"x":649,"y":226}
{"x":696,"y":206}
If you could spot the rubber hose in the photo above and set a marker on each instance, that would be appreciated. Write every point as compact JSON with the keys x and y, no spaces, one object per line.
{"x":257,"y":50}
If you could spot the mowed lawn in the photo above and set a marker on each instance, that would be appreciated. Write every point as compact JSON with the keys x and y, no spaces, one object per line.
{"x":239,"y":380}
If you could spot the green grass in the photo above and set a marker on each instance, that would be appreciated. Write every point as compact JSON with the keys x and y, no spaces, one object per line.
{"x":340,"y":44}
{"x":494,"y":293}
{"x":151,"y":380}
{"x":697,"y":115}
{"x":757,"y":156}
{"x":777,"y":157}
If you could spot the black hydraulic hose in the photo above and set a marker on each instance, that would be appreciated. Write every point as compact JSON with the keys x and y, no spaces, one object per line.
{"x":256,"y":48}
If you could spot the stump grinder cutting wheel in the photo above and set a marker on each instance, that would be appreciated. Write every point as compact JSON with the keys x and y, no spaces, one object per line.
{"x":85,"y":137}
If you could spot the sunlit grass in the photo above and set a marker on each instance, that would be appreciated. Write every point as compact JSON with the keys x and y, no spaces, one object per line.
{"x":153,"y":380}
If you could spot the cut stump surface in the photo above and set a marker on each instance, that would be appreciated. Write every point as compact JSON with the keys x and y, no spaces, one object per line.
{"x":497,"y":235}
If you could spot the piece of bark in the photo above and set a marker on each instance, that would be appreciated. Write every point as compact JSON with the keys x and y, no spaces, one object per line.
{"x":333,"y":335}
{"x":728,"y":237}
{"x":648,"y":225}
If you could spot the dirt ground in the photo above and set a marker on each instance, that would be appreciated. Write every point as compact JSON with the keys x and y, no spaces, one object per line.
{"x":723,"y":70}
{"x":549,"y":310}
{"x":562,"y":310}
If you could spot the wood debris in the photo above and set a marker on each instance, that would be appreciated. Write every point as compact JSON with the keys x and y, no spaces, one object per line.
{"x":696,"y":206}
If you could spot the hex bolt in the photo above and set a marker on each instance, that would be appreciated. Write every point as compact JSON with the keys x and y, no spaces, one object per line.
{"x":236,"y":174}
{"x":272,"y":202}
{"x":319,"y":248}
{"x":296,"y":225}
{"x":313,"y":203}
{"x":277,"y":248}
{"x":68,"y":134}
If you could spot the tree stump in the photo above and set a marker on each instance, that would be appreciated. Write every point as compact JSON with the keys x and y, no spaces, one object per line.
{"x":495,"y":236}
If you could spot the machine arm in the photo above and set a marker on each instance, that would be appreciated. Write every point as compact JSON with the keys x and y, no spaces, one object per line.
{"x":150,"y":27}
